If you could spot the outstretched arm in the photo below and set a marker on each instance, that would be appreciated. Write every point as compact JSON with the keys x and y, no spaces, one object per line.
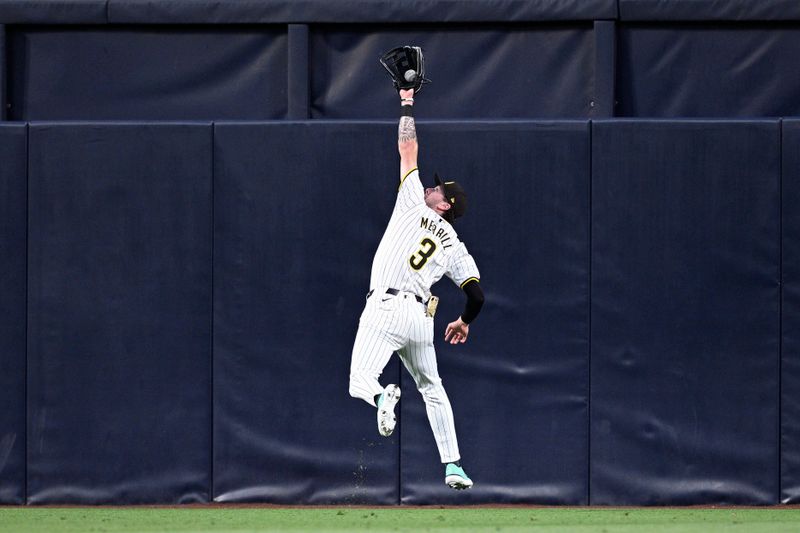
{"x":407,"y":134}
{"x":458,"y":331}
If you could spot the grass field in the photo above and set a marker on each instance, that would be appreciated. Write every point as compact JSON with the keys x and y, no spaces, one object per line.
{"x":471,"y":519}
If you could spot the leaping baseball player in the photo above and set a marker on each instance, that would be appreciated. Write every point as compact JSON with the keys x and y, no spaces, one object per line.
{"x":417,"y":249}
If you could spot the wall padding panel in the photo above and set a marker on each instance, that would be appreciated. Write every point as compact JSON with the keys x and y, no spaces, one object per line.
{"x":299,"y":210}
{"x":119,"y":380}
{"x":348,"y":82}
{"x":147,"y":73}
{"x":13,"y":265}
{"x":359,"y":11}
{"x":685,"y":307}
{"x":790,"y":316}
{"x":737,"y":70}
{"x":519,"y":385}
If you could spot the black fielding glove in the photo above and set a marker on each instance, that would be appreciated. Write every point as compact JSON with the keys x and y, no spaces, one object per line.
{"x":406,"y":67}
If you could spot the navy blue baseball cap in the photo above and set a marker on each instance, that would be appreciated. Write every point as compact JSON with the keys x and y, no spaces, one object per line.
{"x":455,"y":196}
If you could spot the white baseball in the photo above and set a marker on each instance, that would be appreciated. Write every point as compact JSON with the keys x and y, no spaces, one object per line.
{"x":410,"y":75}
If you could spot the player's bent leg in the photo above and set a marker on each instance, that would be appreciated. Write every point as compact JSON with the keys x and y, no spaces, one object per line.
{"x":363,"y":386}
{"x":372,"y":350}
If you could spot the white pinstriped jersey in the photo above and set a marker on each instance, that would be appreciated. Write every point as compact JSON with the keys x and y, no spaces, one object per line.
{"x":419,"y":246}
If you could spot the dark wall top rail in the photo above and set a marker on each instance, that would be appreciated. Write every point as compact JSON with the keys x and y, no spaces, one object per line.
{"x":368,"y":11}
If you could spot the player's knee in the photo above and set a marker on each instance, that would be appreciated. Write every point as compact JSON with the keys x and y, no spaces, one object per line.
{"x":354,"y":392}
{"x":432,"y":392}
{"x":353,"y":387}
{"x":357,"y":385}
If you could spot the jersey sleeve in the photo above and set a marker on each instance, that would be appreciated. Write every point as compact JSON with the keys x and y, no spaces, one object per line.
{"x":462,"y":266}
{"x":410,"y":194}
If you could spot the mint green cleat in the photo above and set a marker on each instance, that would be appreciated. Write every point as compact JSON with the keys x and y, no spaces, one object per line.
{"x":456,"y":478}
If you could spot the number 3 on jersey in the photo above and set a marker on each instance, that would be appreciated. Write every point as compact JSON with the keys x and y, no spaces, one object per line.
{"x":421,"y":256}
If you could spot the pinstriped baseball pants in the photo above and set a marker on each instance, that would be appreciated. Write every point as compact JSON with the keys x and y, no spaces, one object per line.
{"x":399,"y":324}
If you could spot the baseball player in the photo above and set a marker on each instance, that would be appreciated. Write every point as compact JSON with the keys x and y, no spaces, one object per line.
{"x":418,"y":247}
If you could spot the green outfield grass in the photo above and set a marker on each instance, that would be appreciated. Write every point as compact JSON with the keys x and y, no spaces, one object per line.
{"x":470,"y":519}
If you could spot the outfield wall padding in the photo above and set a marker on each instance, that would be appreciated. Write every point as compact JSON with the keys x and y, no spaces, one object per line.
{"x":189,"y":73}
{"x":521,"y":382}
{"x":736,"y":70}
{"x":193,"y":292}
{"x":179,"y":299}
{"x":288,"y":11}
{"x":54,"y":12}
{"x":708,"y":10}
{"x":13,"y":264}
{"x":393,"y":11}
{"x":299,"y":210}
{"x":502,"y":68}
{"x":790,"y":315}
{"x":119,"y":313}
{"x":359,"y":11}
{"x":685,"y":305}
{"x":3,"y":73}
{"x":461,"y":71}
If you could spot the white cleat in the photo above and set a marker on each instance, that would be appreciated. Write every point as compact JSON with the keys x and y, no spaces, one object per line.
{"x":386,"y":418}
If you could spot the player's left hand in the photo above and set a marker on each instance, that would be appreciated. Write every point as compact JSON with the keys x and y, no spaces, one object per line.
{"x":456,"y":332}
{"x":406,"y":93}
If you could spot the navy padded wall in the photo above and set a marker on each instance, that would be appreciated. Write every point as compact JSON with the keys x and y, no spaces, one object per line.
{"x":393,"y":11}
{"x":3,"y":74}
{"x":514,"y":80}
{"x":53,"y":11}
{"x":685,"y":307}
{"x":744,"y":10}
{"x":119,"y":334}
{"x":299,"y":211}
{"x":147,"y":73}
{"x":519,"y":386}
{"x":682,"y":70}
{"x":13,"y":265}
{"x":790,"y":363}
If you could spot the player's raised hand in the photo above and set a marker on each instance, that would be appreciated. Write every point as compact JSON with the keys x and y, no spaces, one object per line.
{"x":456,"y":332}
{"x":406,"y":93}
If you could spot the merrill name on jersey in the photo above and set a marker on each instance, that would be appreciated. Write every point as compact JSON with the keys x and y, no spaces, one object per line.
{"x":437,"y":232}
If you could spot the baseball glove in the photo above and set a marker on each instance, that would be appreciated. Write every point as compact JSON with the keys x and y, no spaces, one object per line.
{"x":406,"y":66}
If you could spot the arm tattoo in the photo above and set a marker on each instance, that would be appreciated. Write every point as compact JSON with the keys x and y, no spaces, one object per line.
{"x":406,"y":131}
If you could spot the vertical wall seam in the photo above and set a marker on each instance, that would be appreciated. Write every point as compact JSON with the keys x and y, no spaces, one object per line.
{"x":780,"y":309}
{"x":589,"y":331}
{"x":400,"y":436}
{"x":400,"y":454}
{"x":211,"y":336}
{"x":27,"y":294}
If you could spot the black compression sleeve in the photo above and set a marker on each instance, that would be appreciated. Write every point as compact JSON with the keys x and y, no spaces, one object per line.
{"x":474,"y":301}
